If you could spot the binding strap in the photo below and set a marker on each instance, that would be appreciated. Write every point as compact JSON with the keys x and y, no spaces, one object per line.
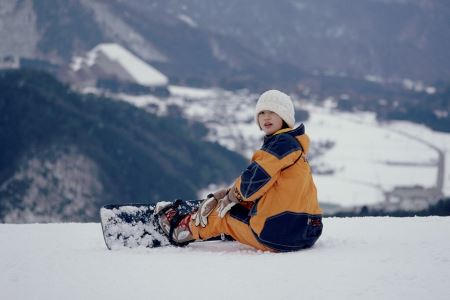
{"x":175,"y":221}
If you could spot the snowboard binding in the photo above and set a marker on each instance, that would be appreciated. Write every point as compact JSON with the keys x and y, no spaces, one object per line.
{"x":174,"y":223}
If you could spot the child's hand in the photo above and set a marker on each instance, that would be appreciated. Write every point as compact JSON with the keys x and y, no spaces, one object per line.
{"x":207,"y":206}
{"x":227,"y":202}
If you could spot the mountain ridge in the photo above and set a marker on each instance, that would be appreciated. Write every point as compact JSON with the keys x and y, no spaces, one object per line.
{"x":240,"y":43}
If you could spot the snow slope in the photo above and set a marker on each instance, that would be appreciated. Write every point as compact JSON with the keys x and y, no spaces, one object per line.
{"x":359,"y":258}
{"x":136,"y":68}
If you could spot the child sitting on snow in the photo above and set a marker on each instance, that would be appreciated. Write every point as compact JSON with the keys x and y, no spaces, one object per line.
{"x":273,"y":205}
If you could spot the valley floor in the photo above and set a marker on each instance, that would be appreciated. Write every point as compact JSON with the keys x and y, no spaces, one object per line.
{"x":356,"y":258}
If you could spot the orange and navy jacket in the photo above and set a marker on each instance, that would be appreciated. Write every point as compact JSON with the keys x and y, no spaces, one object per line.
{"x":279,"y":183}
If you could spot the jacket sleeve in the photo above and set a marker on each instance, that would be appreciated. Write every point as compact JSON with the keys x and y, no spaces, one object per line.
{"x":266,"y":166}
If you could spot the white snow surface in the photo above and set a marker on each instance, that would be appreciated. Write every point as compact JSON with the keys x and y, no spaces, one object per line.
{"x":142,"y":72}
{"x":357,"y":258}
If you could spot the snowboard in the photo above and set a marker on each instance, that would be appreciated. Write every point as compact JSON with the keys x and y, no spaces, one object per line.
{"x":136,"y":225}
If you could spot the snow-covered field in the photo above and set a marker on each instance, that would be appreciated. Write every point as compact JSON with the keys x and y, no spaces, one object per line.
{"x":370,"y":158}
{"x":358,"y":258}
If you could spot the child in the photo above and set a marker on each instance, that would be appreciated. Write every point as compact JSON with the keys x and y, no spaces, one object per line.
{"x":273,"y":205}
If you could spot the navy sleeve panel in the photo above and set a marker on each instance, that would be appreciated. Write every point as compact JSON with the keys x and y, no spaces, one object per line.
{"x":281,"y":145}
{"x":240,"y":213}
{"x":253,"y":178}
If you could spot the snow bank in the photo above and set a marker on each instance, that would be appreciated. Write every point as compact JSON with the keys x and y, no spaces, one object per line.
{"x":369,"y":258}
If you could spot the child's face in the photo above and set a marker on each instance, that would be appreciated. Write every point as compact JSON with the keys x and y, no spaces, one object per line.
{"x":269,"y":122}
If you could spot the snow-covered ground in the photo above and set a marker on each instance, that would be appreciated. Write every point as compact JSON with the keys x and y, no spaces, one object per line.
{"x":358,"y":258}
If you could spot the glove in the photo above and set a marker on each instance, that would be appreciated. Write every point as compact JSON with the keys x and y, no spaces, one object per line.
{"x":207,"y":206}
{"x":226,"y":203}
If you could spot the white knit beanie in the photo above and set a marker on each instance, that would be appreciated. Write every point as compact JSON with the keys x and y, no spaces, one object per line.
{"x":278,"y":102}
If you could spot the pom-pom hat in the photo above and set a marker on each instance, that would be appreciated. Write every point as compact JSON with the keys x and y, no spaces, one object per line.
{"x":279,"y":103}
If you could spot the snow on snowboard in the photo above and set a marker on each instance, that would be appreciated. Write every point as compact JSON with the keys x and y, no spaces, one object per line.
{"x":136,"y":225}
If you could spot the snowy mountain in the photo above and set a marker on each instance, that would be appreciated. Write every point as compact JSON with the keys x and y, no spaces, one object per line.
{"x":357,"y":258}
{"x":241,"y":43}
{"x":352,"y":68}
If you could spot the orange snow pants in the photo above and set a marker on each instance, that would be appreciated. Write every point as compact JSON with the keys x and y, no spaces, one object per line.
{"x":229,"y":225}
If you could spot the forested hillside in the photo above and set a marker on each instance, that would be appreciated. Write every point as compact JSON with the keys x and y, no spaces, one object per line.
{"x":63,"y":154}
